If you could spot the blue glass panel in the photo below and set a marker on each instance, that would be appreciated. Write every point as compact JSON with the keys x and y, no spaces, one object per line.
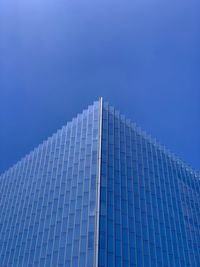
{"x":48,"y":201}
{"x":149,"y":200}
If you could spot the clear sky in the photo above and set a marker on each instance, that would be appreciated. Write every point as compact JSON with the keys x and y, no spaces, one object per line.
{"x":58,"y":56}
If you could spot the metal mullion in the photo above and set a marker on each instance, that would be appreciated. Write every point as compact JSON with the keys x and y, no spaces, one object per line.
{"x":59,"y":152}
{"x":161,"y":195}
{"x":24,"y":169}
{"x":57,"y":143}
{"x":28,"y":170}
{"x":117,"y":122}
{"x":110,"y":113}
{"x":132,"y":132}
{"x":74,"y":152}
{"x":78,"y":178}
{"x":134,"y":148}
{"x":138,"y":189}
{"x":83,"y":177}
{"x":127,"y":195}
{"x":191,"y":179}
{"x":16,"y":172}
{"x":162,"y":210}
{"x":142,"y":139}
{"x":183,"y":199}
{"x":90,"y":182}
{"x":125,"y":145}
{"x":5,"y":181}
{"x":187,"y":176}
{"x":151,"y":212}
{"x":67,"y":173}
{"x":107,"y":159}
{"x":48,"y":144}
{"x":49,"y":178}
{"x":113,"y":177}
{"x":156,"y":170}
{"x":42,"y":161}
{"x":197,"y":187}
{"x":173,"y":184}
{"x":166,"y":160}
{"x":188,"y":231}
{"x":86,"y":134}
{"x":175,"y":165}
{"x":89,"y":190}
{"x":65,"y":141}
{"x":98,"y":183}
{"x":30,"y":211}
{"x":154,"y":186}
{"x":70,"y":129}
{"x":114,"y":208}
{"x":4,"y":200}
{"x":122,"y":121}
{"x":74,"y":125}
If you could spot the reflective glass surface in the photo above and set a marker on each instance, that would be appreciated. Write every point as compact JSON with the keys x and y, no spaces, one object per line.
{"x":100,"y":193}
{"x":48,"y":199}
{"x":149,"y":201}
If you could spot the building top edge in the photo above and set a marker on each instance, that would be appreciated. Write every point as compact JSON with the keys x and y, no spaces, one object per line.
{"x":131,"y":123}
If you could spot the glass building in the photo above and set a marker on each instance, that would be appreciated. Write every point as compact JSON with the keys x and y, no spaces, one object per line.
{"x":100,"y":193}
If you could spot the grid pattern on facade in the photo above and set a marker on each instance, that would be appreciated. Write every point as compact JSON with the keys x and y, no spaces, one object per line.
{"x":149,"y":201}
{"x":48,"y":199}
{"x":101,"y":193}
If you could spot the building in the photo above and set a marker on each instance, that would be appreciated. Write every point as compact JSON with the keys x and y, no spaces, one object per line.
{"x":100,"y":193}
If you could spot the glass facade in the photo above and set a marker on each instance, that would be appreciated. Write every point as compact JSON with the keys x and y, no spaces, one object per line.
{"x":100,"y":193}
{"x":48,"y":199}
{"x":149,"y":200}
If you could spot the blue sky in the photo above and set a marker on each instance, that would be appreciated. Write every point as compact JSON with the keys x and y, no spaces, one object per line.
{"x":56,"y":57}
